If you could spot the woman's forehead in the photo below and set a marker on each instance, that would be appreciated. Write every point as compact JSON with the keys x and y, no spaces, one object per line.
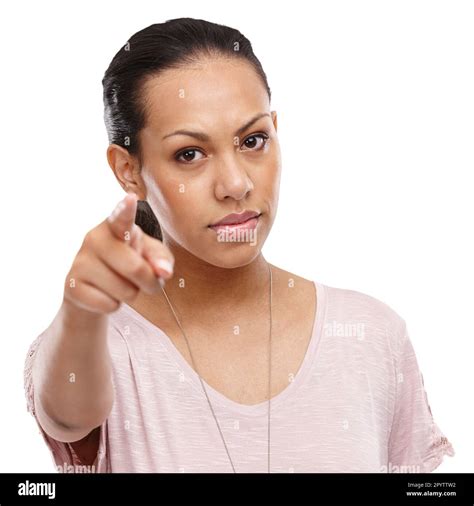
{"x":212,"y":93}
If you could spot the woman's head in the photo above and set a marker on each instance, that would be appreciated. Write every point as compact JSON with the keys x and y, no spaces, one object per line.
{"x":193,"y":75}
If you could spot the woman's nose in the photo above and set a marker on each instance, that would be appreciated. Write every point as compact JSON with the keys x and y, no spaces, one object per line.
{"x":232,"y":180}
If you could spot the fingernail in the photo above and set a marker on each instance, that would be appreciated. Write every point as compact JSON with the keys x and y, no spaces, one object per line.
{"x":166,"y":265}
{"x":118,"y":209}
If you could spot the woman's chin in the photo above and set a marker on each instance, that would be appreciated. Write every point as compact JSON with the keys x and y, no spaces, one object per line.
{"x":231,"y":256}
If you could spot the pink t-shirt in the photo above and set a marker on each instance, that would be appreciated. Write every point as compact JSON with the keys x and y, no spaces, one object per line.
{"x":357,"y":403}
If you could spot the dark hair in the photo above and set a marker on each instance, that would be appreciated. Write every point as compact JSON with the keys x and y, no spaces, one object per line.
{"x":169,"y":45}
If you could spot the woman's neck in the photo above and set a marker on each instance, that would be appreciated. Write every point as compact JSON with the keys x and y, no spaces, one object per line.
{"x":200,"y":288}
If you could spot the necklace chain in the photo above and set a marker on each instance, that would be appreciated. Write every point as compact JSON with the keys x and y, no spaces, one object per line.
{"x":202,"y":384}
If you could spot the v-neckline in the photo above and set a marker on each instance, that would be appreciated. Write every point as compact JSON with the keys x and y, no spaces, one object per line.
{"x":217,"y":397}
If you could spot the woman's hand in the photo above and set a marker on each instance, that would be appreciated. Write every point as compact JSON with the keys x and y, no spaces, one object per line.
{"x":117,"y":260}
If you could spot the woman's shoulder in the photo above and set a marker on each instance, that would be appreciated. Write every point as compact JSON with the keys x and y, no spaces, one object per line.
{"x":375,"y":319}
{"x":356,"y":301}
{"x":349,"y":302}
{"x":347,"y":307}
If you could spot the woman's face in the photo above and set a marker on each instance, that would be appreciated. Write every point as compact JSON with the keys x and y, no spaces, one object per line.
{"x":230,"y":165}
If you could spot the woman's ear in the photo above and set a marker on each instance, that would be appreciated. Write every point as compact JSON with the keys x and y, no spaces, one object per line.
{"x":274,"y":118}
{"x":126,"y":170}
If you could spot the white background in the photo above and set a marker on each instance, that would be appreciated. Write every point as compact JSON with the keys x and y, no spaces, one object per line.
{"x":375,"y":110}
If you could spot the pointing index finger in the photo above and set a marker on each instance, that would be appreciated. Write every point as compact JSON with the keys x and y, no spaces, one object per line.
{"x":122,"y":217}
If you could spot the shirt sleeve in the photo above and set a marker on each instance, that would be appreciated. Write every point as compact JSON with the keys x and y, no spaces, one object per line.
{"x":416,"y":443}
{"x":63,"y":455}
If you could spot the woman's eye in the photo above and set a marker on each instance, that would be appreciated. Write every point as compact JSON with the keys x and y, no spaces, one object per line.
{"x":187,"y":154}
{"x":251,"y":142}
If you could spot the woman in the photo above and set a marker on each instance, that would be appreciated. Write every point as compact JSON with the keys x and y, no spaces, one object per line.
{"x":232,"y":364}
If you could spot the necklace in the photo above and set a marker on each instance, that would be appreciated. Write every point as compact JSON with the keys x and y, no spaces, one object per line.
{"x":202,"y":384}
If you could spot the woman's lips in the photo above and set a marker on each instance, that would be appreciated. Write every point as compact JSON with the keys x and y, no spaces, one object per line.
{"x":246,"y":225}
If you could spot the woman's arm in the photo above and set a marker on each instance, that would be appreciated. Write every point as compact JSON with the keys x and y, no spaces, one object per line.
{"x":72,"y":374}
{"x":72,"y":371}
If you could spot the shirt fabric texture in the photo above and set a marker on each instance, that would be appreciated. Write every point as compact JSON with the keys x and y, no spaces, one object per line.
{"x":357,"y":403}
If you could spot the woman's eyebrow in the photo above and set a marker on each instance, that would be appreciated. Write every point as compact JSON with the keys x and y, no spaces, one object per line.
{"x":204,"y":137}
